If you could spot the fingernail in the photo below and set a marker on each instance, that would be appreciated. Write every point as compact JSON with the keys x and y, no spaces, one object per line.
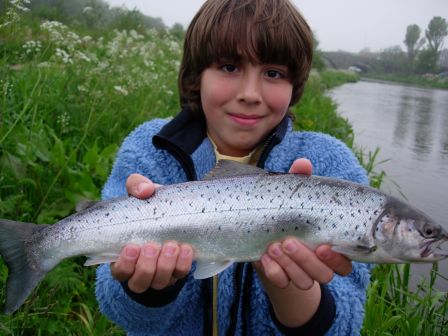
{"x":149,"y":251}
{"x":185,"y":252}
{"x":275,"y":250}
{"x":289,"y":246}
{"x":325,"y":255}
{"x":142,"y":187}
{"x":265,"y":259}
{"x":169,"y":250}
{"x":131,"y":252}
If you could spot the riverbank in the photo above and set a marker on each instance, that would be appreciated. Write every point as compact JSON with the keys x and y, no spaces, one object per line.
{"x":423,"y":81}
{"x":64,"y":112}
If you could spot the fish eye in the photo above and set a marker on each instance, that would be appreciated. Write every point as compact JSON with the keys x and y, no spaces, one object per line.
{"x":429,"y":231}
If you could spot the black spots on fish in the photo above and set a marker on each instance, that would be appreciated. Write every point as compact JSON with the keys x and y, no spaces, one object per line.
{"x":346,"y":233}
{"x":283,"y":229}
{"x":359,"y":211}
{"x":308,"y":221}
{"x":107,"y":214}
{"x":341,"y":216}
{"x":138,"y":209}
{"x":319,"y":228}
{"x":334,"y":225}
{"x":352,"y":214}
{"x":203,"y":210}
{"x":356,"y":227}
{"x":219,"y":228}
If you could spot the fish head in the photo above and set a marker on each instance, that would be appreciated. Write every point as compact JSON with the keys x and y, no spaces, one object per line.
{"x":408,"y":235}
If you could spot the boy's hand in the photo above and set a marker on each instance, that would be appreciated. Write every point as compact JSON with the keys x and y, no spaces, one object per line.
{"x":291,"y":261}
{"x":151,"y":265}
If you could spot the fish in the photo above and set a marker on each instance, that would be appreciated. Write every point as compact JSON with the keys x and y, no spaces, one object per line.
{"x":232,"y":215}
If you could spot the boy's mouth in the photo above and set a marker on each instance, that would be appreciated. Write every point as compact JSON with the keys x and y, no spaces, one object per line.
{"x":245,"y":120}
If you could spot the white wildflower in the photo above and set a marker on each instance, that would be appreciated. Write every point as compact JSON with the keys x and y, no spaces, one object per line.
{"x":121,"y":90}
{"x":44,"y":65}
{"x":64,"y":56}
{"x":64,"y":121}
{"x":32,"y":46}
{"x":13,"y":12}
{"x":81,"y":56}
{"x":82,"y":88}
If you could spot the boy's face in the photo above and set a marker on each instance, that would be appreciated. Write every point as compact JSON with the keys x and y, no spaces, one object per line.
{"x":243,"y":102}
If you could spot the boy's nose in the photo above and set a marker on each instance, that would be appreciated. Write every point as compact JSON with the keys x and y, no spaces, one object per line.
{"x":250,"y":90}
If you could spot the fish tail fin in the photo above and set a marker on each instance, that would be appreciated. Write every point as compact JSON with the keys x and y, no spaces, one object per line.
{"x":22,"y":277}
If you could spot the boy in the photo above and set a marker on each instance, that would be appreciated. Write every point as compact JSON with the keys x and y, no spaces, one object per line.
{"x":245,"y":63}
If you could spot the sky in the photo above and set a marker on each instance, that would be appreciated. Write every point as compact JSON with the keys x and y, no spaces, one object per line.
{"x":349,"y":25}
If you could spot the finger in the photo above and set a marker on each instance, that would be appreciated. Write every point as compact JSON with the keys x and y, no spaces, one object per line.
{"x":184,"y":261}
{"x":294,"y":272}
{"x":273,"y":272}
{"x":139,"y":186}
{"x":336,"y":261}
{"x":165,"y":265}
{"x":124,"y":267}
{"x":145,"y":268}
{"x":307,"y":260}
{"x":301,"y":166}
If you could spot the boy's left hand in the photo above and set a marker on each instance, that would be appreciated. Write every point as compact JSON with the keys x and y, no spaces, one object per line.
{"x":292,"y":261}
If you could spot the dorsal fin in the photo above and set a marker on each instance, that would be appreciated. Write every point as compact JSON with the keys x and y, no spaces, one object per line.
{"x":228,"y":168}
{"x":85,"y":204}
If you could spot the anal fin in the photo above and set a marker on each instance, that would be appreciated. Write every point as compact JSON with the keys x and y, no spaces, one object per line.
{"x":354,"y":251}
{"x":207,"y":269}
{"x":102,"y":258}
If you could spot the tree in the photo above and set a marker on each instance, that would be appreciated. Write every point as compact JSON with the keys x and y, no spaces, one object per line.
{"x":435,"y":34}
{"x":318,"y":62}
{"x":393,"y":60}
{"x":413,"y":42}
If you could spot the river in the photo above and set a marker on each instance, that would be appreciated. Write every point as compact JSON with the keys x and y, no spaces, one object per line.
{"x":410,"y":126}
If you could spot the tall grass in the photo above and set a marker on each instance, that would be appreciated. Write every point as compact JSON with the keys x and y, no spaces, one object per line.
{"x":66,"y":102}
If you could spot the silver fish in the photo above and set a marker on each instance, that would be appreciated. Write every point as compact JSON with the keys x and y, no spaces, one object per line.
{"x":231,"y":216}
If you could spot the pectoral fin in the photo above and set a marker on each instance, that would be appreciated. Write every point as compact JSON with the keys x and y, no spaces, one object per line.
{"x":101,"y":259}
{"x":354,"y":251}
{"x":207,"y":269}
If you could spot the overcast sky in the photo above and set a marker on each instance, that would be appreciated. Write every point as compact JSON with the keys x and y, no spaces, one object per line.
{"x":350,"y":25}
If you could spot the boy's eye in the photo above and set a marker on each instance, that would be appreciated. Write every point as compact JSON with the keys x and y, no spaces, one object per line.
{"x":229,"y":67}
{"x":274,"y":74}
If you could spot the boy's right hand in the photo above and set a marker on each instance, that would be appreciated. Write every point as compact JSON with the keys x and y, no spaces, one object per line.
{"x":150,"y":265}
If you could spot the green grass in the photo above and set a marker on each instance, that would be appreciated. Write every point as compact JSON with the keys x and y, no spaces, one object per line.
{"x":424,"y":81}
{"x":66,"y":103}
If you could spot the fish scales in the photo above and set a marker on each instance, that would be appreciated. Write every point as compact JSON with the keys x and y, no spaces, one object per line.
{"x":231,"y":216}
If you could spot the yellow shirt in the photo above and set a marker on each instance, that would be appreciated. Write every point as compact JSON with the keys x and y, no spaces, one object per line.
{"x":250,"y":158}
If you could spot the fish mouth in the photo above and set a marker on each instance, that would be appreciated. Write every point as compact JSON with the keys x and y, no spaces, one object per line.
{"x":432,"y":249}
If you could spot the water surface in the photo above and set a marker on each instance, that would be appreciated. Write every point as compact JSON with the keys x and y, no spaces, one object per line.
{"x":410,"y":126}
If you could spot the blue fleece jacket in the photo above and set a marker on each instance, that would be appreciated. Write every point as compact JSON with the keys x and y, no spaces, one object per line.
{"x":185,"y":314}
